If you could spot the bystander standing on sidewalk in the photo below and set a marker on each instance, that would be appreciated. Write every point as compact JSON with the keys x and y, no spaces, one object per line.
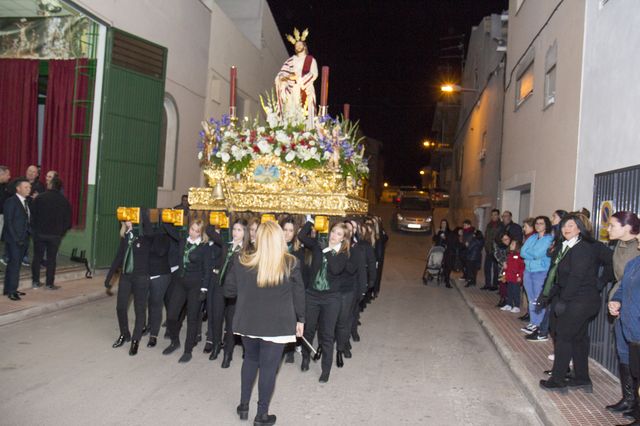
{"x":15,"y":233}
{"x":51,"y":219}
{"x":5,"y":177}
{"x":492,"y":232}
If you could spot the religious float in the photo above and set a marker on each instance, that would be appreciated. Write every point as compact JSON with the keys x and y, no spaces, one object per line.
{"x":296,"y":159}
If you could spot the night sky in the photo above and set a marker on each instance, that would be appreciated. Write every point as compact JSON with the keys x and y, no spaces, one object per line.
{"x":386,"y":61}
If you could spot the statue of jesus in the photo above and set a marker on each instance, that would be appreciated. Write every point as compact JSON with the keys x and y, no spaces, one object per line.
{"x":294,"y":82}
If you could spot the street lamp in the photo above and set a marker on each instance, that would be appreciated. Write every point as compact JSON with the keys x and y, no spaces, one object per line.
{"x":454,"y":88}
{"x":427,"y":144}
{"x":421,"y":172}
{"x":386,"y":185}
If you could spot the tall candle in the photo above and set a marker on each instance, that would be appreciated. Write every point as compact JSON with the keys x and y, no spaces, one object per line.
{"x":324,"y":88}
{"x":345,"y":111}
{"x":232,"y":97}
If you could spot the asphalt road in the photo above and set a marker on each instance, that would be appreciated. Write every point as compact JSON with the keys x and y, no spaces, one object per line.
{"x":423,"y":360}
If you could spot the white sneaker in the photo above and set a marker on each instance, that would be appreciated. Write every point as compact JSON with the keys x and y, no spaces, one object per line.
{"x":515,"y":310}
{"x":530,"y":328}
{"x":551,"y":357}
{"x":506,"y":308}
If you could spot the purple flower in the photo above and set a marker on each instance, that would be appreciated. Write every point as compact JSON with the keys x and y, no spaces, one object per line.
{"x":200,"y":145}
{"x":202,"y":133}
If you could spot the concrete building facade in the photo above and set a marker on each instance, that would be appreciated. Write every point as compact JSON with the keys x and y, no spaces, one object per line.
{"x":542,"y":106}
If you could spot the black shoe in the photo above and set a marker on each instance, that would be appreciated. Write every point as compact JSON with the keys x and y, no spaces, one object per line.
{"x":339,"y":360}
{"x":355,"y":336}
{"x":585,"y":385}
{"x":14,"y":296}
{"x":486,"y":287}
{"x":226,"y":360}
{"x":133,"y":350}
{"x":264,"y":420}
{"x":288,"y":358}
{"x":318,"y":354}
{"x":208,"y":347}
{"x":566,"y":377}
{"x":167,"y":335}
{"x":186,"y":357}
{"x":36,"y":285}
{"x":145,"y":330}
{"x":215,"y":351}
{"x":552,"y":385}
{"x":52,"y":287}
{"x":243,"y":410}
{"x":524,"y":317}
{"x":633,"y":414}
{"x":347,"y":353}
{"x":21,"y":293}
{"x":175,"y":344}
{"x":305,"y":363}
{"x":324,"y":377}
{"x":152,"y":342}
{"x":501,"y":303}
{"x":121,"y":341}
{"x":494,"y":288}
{"x":448,"y":285}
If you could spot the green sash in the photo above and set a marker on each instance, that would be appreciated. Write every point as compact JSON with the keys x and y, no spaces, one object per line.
{"x":127,"y":264}
{"x":188,"y":248}
{"x":550,"y":281}
{"x":321,"y":282}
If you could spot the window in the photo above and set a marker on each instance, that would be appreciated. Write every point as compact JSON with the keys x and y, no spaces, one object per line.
{"x":550,"y":76}
{"x":524,"y":85}
{"x":168,"y":144}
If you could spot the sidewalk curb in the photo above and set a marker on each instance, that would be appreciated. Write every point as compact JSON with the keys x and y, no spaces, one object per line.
{"x":36,"y":311}
{"x":543,"y":405}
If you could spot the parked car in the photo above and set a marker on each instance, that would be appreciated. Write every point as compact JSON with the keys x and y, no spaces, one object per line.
{"x":413,"y":213}
{"x":439,"y":197}
{"x":403,"y":190}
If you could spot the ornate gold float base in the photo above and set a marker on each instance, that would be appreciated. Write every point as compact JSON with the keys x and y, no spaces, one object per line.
{"x":270,"y":186}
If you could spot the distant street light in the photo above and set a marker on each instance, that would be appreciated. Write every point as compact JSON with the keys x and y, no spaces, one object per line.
{"x":386,"y":184}
{"x":421,"y":172}
{"x":427,"y":144}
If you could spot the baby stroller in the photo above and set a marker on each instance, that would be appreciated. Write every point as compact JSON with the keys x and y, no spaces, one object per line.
{"x":434,"y":267}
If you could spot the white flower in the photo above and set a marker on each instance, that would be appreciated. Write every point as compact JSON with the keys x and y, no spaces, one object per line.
{"x":277,"y":151}
{"x":264,"y":147}
{"x":225,"y":156}
{"x":272,"y":119}
{"x":290,"y":156}
{"x":313,"y":150}
{"x":282,"y":137}
{"x":326,"y":155}
{"x":260,"y":129}
{"x":200,"y":155}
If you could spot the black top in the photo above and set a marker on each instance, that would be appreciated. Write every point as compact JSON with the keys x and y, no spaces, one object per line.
{"x":370,"y":260}
{"x":38,"y":187}
{"x":141,"y":246}
{"x":514,"y":230}
{"x":336,"y":263}
{"x":50,"y":214}
{"x":16,"y":227}
{"x":577,"y":277}
{"x":159,"y":254}
{"x":4,"y":194}
{"x":198,"y":268}
{"x":267,"y":311}
{"x":381,"y":243}
{"x":357,"y":270}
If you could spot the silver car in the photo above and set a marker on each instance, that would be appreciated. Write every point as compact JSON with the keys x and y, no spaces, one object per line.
{"x":413,"y":213}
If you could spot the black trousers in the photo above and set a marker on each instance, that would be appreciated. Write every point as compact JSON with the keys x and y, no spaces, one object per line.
{"x":321,"y":314}
{"x":355,"y":314}
{"x":345,"y":320}
{"x":50,"y":244}
{"x":264,"y":356}
{"x":471,"y":271}
{"x":157,"y":290}
{"x":12,"y":274}
{"x":634,"y":359}
{"x":215,"y":313}
{"x":185,"y":291}
{"x":229,"y":337}
{"x":490,"y":270}
{"x":376,"y":287}
{"x":572,"y":338}
{"x":139,"y":286}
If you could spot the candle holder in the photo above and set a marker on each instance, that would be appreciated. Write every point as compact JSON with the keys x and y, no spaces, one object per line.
{"x":232,"y":113}
{"x":324,"y":110}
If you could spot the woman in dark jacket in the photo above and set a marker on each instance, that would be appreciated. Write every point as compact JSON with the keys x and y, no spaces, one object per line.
{"x":453,"y":248}
{"x":132,"y":259}
{"x":193,"y":278}
{"x":473,"y":257}
{"x":159,"y":279}
{"x":290,"y":230}
{"x":575,"y":301}
{"x":268,"y":287}
{"x":328,"y":272}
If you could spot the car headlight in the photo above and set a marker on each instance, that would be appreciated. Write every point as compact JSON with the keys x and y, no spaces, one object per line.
{"x":399,"y":216}
{"x":429,"y":219}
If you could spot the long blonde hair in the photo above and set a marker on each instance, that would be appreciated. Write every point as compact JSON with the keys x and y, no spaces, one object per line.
{"x":200,"y":224}
{"x":270,"y":256}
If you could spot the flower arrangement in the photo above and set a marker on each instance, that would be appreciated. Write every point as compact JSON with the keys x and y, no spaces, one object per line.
{"x":328,"y":142}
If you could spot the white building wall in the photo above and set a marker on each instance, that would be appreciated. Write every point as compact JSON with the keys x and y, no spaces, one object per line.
{"x":540,"y":144}
{"x":609,"y":126}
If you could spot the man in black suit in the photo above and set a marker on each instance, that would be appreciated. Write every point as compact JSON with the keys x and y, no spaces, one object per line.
{"x":50,"y":220}
{"x":15,"y":233}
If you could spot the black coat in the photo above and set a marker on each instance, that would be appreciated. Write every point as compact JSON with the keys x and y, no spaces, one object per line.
{"x":357,"y":268}
{"x":141,"y":247}
{"x":578,"y":271}
{"x":337,"y":274}
{"x":16,"y":227}
{"x":50,"y":214}
{"x":266,"y":311}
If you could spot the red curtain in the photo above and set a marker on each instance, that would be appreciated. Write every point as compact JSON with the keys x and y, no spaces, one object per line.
{"x":18,"y":114}
{"x":62,"y":152}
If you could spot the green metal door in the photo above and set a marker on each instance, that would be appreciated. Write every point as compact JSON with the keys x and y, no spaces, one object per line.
{"x":133,"y":94}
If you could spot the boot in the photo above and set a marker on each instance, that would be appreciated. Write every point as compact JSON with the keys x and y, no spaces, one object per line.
{"x":628,"y":396}
{"x":226,"y":360}
{"x":175,"y":344}
{"x":208,"y":347}
{"x":288,"y":358}
{"x":339,"y":360}
{"x":305,"y":361}
{"x":264,"y":420}
{"x":243,"y":410}
{"x":215,"y":351}
{"x":318,"y":354}
{"x":355,"y":336}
